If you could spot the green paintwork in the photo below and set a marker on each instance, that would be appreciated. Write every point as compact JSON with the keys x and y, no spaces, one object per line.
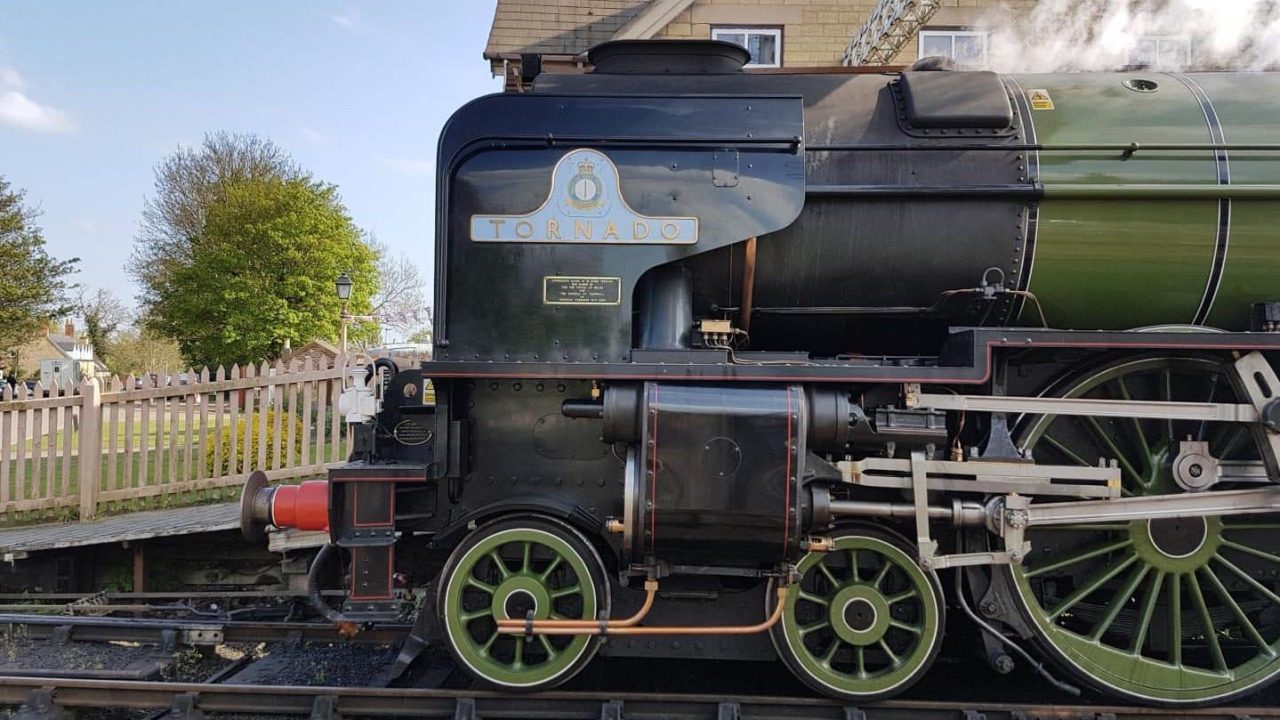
{"x":1130,"y":242}
{"x":1116,"y":568}
{"x":522,"y":576}
{"x":1253,"y":259}
{"x":855,"y":677}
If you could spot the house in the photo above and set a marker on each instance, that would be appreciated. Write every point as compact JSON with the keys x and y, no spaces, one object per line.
{"x":784,"y":34}
{"x":318,"y":353}
{"x":60,"y":357}
{"x":529,"y":37}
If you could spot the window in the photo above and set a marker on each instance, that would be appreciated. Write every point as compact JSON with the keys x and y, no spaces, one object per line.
{"x":764,"y":43}
{"x":1161,"y":51}
{"x":966,"y":47}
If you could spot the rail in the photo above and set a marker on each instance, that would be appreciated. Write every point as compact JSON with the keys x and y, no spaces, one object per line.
{"x":190,"y":699}
{"x":194,"y":632}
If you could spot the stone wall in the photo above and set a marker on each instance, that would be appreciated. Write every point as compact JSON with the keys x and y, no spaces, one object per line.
{"x":816,"y":32}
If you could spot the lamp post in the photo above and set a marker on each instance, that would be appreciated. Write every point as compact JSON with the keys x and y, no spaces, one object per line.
{"x":343,"y":285}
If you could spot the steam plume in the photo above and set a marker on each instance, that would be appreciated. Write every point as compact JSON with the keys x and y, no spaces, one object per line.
{"x":1070,"y":35}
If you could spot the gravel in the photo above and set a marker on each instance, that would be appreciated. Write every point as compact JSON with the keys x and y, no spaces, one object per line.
{"x":332,"y":664}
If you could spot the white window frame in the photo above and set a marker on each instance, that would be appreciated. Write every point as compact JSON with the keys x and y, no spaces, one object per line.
{"x":774,"y":31}
{"x":952,"y":35}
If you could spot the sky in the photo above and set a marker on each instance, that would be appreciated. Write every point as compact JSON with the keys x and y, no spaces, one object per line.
{"x":94,"y":94}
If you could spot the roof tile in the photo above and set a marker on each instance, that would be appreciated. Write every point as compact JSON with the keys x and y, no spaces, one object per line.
{"x":564,"y":27}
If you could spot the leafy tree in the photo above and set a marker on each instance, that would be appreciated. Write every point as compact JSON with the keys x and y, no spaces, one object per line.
{"x":103,"y":315}
{"x":33,"y":285}
{"x":239,"y":249}
{"x":262,"y":272}
{"x":187,"y":183}
{"x":138,"y":351}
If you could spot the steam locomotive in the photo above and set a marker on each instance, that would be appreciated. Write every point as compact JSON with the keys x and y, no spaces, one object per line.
{"x":809,"y":366}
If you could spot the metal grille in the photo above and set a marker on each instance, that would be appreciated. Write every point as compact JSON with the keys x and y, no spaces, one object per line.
{"x":892,"y":24}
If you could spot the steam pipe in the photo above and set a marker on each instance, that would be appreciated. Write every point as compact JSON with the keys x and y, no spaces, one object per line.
{"x":666,"y":309}
{"x":588,"y":409}
{"x":313,"y":584}
{"x":748,"y":283}
{"x":595,"y":628}
{"x":520,"y":626}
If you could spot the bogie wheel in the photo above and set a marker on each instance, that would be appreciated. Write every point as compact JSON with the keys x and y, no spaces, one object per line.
{"x":503,"y":570}
{"x":865,"y":621}
{"x":1178,"y":611}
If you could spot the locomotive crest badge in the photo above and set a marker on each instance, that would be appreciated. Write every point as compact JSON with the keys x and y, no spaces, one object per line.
{"x":585,"y":205}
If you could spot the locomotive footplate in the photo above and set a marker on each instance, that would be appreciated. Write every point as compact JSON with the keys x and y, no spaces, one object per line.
{"x":967,"y":358}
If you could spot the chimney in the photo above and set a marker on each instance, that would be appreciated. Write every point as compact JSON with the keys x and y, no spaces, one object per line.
{"x":70,"y":329}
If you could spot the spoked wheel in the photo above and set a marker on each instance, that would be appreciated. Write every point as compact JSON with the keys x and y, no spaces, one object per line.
{"x":1172,"y":611}
{"x":865,"y":621}
{"x":505,"y":569}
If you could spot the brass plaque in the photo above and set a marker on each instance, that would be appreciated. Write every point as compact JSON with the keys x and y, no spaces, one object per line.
{"x":575,"y":290}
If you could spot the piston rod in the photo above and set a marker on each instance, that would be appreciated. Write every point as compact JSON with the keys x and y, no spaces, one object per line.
{"x":1227,"y":502}
{"x":960,"y":512}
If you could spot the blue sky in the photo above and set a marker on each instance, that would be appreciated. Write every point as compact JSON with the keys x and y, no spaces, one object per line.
{"x":94,"y":94}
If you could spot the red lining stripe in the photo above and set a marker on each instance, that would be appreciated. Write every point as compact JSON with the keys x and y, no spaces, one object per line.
{"x":653,"y":482}
{"x":786,"y":481}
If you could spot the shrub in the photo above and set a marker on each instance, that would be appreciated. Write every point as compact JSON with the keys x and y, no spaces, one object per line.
{"x":225,"y":442}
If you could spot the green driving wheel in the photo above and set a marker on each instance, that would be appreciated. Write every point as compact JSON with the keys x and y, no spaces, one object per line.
{"x":505,"y":570}
{"x":1176,"y":611}
{"x":864,"y":621}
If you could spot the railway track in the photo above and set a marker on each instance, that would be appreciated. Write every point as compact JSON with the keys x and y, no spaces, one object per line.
{"x":46,"y":697}
{"x":167,"y":632}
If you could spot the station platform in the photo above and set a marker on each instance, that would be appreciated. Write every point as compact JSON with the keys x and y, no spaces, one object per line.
{"x":19,"y":542}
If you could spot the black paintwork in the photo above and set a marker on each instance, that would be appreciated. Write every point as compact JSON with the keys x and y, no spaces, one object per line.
{"x":718,"y":477}
{"x":496,"y":157}
{"x":871,"y":208}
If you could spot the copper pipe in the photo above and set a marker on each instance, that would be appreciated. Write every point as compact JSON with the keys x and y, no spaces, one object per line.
{"x":516,"y":626}
{"x":748,"y":283}
{"x":674,"y":629}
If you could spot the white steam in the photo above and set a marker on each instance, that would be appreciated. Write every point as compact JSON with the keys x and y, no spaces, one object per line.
{"x":1069,"y":35}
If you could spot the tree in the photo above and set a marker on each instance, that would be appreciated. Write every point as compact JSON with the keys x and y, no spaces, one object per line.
{"x":33,"y":285}
{"x":104,"y":314}
{"x":262,"y":273}
{"x":399,"y":303}
{"x":138,"y":351}
{"x":187,"y":183}
{"x":239,"y":249}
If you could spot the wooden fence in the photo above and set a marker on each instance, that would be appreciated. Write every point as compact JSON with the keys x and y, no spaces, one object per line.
{"x":77,"y":450}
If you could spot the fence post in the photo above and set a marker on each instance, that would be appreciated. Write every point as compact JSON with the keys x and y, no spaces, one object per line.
{"x":90,"y":447}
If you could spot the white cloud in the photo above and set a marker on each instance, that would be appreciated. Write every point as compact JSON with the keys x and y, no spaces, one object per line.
{"x":312,"y":135}
{"x":347,"y":18}
{"x":9,"y":78}
{"x":411,"y":166}
{"x":18,"y":109}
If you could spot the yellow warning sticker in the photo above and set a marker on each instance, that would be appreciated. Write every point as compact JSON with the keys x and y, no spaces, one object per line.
{"x":1040,"y":99}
